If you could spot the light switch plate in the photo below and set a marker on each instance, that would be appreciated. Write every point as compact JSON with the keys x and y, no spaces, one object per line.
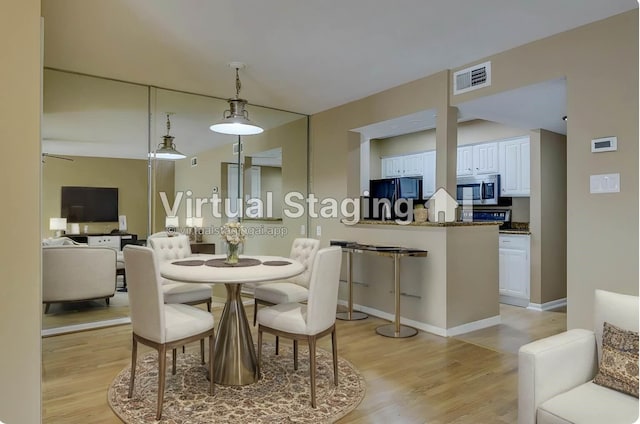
{"x":318,"y":231}
{"x":303,"y":231}
{"x":604,"y":183}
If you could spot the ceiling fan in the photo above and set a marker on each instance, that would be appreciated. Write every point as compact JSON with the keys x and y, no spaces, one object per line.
{"x":49,"y":155}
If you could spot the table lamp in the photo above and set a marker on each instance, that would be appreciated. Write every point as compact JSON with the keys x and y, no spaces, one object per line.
{"x":171,"y":224}
{"x":197,"y":224}
{"x":189,"y":224}
{"x":58,"y":225}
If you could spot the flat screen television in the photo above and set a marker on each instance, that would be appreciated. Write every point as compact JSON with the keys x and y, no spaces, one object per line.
{"x":89,"y":204}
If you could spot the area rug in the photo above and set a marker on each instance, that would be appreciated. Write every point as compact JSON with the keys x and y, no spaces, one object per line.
{"x":282,"y":395}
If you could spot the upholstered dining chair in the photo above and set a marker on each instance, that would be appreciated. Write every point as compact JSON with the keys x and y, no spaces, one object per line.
{"x":311,"y":321}
{"x":294,"y":289}
{"x":157,"y":324}
{"x":172,"y":248}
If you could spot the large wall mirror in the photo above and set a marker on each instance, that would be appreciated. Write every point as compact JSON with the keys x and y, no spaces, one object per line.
{"x":98,"y":133}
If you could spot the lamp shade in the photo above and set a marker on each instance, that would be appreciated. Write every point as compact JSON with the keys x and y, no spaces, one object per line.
{"x":197,"y":222}
{"x":57,"y":224}
{"x":167,"y":150}
{"x":172,"y":221}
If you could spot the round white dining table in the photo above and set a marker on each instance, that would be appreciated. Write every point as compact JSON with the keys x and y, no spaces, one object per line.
{"x":235,"y":361}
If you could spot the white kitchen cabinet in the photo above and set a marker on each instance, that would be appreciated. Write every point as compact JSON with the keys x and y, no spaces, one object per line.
{"x":413,"y":165}
{"x":515,"y":167}
{"x":465,"y":161}
{"x":515,"y":270}
{"x":485,"y":158}
{"x":403,"y":166}
{"x":392,"y":167}
{"x":429,"y":175}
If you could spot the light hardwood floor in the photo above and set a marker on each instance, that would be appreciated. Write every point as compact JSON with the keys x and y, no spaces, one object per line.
{"x":423,"y":379}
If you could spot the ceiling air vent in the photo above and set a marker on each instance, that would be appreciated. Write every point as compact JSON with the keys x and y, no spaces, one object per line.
{"x":472,"y":78}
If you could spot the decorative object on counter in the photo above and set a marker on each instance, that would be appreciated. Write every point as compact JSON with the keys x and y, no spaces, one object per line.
{"x":234,"y":234}
{"x":277,"y":397}
{"x":442,"y":207}
{"x":420,"y":213}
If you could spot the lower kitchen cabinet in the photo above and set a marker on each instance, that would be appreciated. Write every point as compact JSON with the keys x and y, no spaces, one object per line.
{"x":515,"y":269}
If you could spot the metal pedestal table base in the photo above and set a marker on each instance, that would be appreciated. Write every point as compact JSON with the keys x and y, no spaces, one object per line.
{"x":235,"y":362}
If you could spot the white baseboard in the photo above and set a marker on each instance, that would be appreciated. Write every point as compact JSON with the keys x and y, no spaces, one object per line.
{"x":85,"y":326}
{"x":549,"y":305}
{"x":439,"y":331}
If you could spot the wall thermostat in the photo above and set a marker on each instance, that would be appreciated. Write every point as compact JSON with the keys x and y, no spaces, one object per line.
{"x":604,"y":144}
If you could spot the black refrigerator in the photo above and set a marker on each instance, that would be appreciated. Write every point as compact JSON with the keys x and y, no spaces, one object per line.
{"x":392,"y":198}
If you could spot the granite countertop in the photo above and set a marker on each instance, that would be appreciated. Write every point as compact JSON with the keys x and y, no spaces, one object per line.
{"x":422,"y":224}
{"x":521,"y":228}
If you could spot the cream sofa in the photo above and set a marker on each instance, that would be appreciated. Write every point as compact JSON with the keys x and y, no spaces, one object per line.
{"x":555,"y":373}
{"x":75,"y":273}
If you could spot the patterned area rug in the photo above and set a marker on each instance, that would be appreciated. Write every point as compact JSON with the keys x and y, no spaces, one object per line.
{"x":281,"y":396}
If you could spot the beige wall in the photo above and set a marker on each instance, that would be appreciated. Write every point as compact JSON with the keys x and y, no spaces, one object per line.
{"x":20,"y":306}
{"x":602,"y":253}
{"x":128,"y":175}
{"x":271,"y":181}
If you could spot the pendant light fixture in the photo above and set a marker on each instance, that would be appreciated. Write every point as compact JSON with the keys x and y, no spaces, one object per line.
{"x":166,"y":149}
{"x":236,"y":118}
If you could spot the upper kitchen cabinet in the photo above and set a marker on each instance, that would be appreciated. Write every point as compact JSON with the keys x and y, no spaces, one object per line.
{"x":465,"y":161}
{"x":485,"y":158}
{"x":515,"y":167}
{"x":403,"y":166}
{"x":477,"y":159}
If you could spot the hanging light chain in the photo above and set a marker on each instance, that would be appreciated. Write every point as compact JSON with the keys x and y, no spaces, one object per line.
{"x":168,"y":124}
{"x":238,"y":84}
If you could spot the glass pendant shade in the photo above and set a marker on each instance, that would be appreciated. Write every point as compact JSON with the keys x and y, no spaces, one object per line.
{"x":236,"y":120}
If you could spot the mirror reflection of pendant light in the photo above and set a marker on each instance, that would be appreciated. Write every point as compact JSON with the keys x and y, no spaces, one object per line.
{"x":166,"y":149}
{"x":236,"y":118}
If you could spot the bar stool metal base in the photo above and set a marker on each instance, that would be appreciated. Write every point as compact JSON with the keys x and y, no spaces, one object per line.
{"x":351,"y":316}
{"x":389,"y":330}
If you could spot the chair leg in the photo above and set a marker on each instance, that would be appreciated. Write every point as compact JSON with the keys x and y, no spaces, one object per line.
{"x":312,"y":369}
{"x":334,"y":348}
{"x":212,"y":378}
{"x":255,"y":311}
{"x":174,"y":354}
{"x":202,"y":351}
{"x":208,"y":309}
{"x":259,"y":349}
{"x":48,"y":305}
{"x":106,"y":299}
{"x":162,"y":370}
{"x":277,"y":345}
{"x":295,"y":355}
{"x":134,"y":358}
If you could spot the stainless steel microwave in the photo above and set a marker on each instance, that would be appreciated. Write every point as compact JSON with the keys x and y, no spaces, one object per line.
{"x":480,"y":189}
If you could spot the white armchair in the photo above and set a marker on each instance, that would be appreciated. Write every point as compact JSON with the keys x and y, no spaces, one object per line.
{"x":555,"y":374}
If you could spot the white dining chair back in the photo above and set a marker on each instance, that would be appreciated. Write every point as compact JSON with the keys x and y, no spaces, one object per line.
{"x":171,"y":248}
{"x":323,"y":290}
{"x":304,"y":250}
{"x":145,"y":294}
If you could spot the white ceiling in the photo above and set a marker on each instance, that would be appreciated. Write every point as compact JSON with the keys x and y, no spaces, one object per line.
{"x":303,"y":56}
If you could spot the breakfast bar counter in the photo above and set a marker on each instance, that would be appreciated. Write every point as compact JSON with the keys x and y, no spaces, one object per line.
{"x":452,"y":291}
